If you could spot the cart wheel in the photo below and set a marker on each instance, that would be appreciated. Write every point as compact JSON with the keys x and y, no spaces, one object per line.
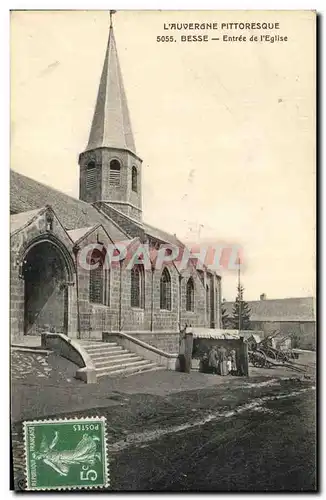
{"x":262,"y":359}
{"x":255,"y":360}
{"x":281,"y":357}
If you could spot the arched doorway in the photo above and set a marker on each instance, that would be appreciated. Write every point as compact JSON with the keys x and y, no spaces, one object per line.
{"x":45,"y":275}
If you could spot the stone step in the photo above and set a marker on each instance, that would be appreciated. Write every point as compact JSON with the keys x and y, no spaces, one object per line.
{"x":153,"y":368}
{"x":123,"y":366}
{"x":89,"y":344}
{"x":99,"y":345}
{"x":131,"y":370}
{"x":116,"y":361}
{"x":110,"y":355}
{"x":111,"y":359}
{"x":97,"y":350}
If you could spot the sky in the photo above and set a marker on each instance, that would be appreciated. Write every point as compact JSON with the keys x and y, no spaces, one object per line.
{"x":226,"y":130}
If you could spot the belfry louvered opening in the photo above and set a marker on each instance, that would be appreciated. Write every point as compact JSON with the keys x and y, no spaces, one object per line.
{"x":91,"y":176}
{"x":115,"y":170}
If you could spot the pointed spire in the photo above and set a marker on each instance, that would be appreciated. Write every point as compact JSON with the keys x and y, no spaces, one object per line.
{"x":111,"y":126}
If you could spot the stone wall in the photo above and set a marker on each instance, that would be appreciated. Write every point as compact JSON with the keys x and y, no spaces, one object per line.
{"x":101,"y":187}
{"x":95,"y":318}
{"x":135,"y":318}
{"x":166,"y":320}
{"x":16,"y":300}
{"x":198,"y":316}
{"x":167,"y":342}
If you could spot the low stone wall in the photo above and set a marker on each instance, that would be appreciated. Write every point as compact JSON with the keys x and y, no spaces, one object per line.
{"x":165,"y":341}
{"x":70,"y":349}
{"x":147,"y":351}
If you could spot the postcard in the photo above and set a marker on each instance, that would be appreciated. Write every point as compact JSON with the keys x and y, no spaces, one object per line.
{"x":162,"y":244}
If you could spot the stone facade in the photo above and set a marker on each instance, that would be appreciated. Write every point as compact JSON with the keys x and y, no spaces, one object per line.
{"x":82,"y":318}
{"x":120,"y":195}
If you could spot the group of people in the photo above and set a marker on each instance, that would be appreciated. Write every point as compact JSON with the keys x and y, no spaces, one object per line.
{"x":220,"y":361}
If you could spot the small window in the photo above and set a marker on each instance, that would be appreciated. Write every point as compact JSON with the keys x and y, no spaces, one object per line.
{"x":134,"y":179}
{"x":190,"y":295}
{"x":99,"y":282}
{"x":115,"y":168}
{"x":91,"y":165}
{"x":165,"y":290}
{"x":137,"y":286}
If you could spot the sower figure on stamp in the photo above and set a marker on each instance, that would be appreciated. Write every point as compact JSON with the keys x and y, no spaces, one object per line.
{"x":61,"y":461}
{"x":213,"y":360}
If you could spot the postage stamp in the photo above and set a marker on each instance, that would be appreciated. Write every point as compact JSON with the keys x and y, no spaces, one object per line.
{"x":66,"y":454}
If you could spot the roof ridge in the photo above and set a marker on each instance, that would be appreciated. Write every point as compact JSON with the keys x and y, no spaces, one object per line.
{"x":48,"y":186}
{"x":111,"y":220}
{"x":108,"y":204}
{"x":270,"y":300}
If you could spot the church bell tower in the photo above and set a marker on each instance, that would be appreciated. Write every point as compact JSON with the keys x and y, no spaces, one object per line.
{"x":110,"y":169}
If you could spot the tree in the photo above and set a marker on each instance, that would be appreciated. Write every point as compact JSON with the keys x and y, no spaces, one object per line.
{"x":241,"y":311}
{"x":225,"y":318}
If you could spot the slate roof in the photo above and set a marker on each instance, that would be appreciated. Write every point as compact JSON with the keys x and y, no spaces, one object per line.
{"x":159,"y":234}
{"x":111,"y":125}
{"x":17,"y":221}
{"x":27,"y":194}
{"x":149,"y":230}
{"x":219,"y":333}
{"x":288,"y":309}
{"x":213,"y":333}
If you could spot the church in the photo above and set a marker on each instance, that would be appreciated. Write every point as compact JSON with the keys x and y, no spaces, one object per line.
{"x":52,"y":292}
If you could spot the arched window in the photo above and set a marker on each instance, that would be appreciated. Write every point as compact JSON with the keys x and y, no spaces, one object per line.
{"x":134,"y":179}
{"x":190,"y":295}
{"x":137,"y":286}
{"x":91,"y":175}
{"x":99,"y":281}
{"x":165,"y":290}
{"x":115,"y":173}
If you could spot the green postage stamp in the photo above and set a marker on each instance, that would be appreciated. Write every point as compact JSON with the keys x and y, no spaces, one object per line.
{"x":66,"y":454}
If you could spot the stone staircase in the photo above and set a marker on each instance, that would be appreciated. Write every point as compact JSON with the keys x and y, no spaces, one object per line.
{"x":110,"y":359}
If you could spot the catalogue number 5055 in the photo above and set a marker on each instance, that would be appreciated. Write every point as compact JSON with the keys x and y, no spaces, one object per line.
{"x":168,"y":38}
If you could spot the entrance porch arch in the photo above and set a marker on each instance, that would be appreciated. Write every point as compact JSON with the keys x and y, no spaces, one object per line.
{"x":47,"y":268}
